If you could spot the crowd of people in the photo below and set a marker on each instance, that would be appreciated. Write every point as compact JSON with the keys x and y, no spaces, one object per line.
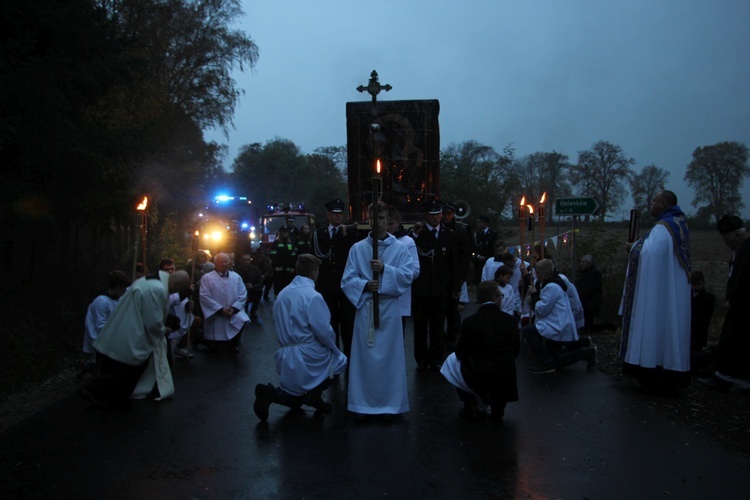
{"x":341,"y":302}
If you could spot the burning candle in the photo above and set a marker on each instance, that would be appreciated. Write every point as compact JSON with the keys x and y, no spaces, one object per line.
{"x":542,"y":221}
{"x":521,"y":217}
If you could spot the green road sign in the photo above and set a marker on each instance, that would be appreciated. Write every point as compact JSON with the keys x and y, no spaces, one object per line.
{"x":576,"y":206}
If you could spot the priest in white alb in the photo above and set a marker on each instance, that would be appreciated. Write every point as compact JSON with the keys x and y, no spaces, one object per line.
{"x":223,"y":295}
{"x":655,"y":307}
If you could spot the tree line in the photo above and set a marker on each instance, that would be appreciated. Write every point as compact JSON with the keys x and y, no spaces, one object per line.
{"x":491,"y":181}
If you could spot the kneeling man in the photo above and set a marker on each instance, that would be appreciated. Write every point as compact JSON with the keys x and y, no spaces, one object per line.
{"x":308,"y":358}
{"x":484,"y":362}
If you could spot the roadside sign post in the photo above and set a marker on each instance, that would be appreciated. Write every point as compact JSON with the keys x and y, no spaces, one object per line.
{"x":575,"y":207}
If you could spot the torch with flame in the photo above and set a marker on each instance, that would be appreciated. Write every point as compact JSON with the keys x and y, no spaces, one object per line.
{"x":142,"y":205}
{"x":542,"y":221}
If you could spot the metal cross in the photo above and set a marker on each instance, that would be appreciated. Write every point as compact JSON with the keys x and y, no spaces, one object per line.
{"x":373,"y":87}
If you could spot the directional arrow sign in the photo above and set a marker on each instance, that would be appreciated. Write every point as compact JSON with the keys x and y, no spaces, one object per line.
{"x":576,"y":206}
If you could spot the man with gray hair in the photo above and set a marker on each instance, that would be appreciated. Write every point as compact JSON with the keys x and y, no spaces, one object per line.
{"x":222,"y":296}
{"x":553,"y":336}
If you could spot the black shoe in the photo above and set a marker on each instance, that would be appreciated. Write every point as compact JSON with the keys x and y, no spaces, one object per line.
{"x":435,"y":366}
{"x":263,"y":399}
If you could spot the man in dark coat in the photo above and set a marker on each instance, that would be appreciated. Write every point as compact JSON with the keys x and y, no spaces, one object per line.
{"x":438,"y":279}
{"x":589,"y":286}
{"x":734,"y":343}
{"x":484,"y":362}
{"x":331,"y":244}
{"x":483,"y":246}
{"x":452,"y":314}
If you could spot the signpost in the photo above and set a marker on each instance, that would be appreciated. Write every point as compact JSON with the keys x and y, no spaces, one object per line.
{"x":576,"y":206}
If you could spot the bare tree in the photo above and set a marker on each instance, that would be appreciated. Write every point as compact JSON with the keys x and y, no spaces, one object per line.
{"x":543,"y":172}
{"x":476,"y":173}
{"x":604,"y":170}
{"x":645,"y":185}
{"x":716,"y":173}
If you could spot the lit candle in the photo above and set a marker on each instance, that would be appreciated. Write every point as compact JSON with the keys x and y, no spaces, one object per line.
{"x":542,"y":222}
{"x":521,"y":217}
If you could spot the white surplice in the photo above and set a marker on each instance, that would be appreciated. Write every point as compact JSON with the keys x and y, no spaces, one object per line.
{"x":377,"y":368}
{"x":308,"y":354}
{"x":405,"y":300}
{"x":135,"y":332}
{"x":217,"y":293}
{"x":659,"y":332}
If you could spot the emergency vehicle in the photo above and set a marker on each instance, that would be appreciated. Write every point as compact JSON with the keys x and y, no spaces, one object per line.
{"x":276,"y":216}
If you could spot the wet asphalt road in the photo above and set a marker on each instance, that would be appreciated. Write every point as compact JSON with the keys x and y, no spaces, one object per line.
{"x":574,"y":434}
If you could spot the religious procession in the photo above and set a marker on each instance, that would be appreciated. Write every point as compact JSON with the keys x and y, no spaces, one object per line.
{"x":397,"y":258}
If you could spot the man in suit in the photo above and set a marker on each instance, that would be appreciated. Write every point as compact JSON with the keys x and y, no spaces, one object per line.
{"x":437,"y":248}
{"x":483,"y":245}
{"x":484,"y":363}
{"x":452,"y":314}
{"x":331,"y":244}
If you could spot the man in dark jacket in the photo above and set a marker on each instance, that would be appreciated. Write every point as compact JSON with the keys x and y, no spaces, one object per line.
{"x":438,"y":279}
{"x":734,"y":343}
{"x":331,"y":244}
{"x":589,"y":286}
{"x":484,"y":362}
{"x":483,"y":245}
{"x":463,"y":238}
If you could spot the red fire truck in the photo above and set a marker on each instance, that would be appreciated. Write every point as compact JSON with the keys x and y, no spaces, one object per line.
{"x":275,"y":217}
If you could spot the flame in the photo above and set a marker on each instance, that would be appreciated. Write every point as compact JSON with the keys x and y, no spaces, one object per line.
{"x":377,"y":166}
{"x":523,"y":201}
{"x":143,"y":204}
{"x":197,"y":233}
{"x":531,"y":208}
{"x":544,"y":197}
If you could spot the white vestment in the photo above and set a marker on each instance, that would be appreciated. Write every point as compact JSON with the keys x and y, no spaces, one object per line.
{"x":377,"y":368}
{"x":135,"y":332}
{"x":575,"y":302}
{"x":490,"y":266}
{"x":96,"y":317}
{"x":217,"y":293}
{"x":511,"y":303}
{"x":554,"y":318}
{"x":405,"y":300}
{"x":308,"y":354}
{"x":179,"y":308}
{"x":659,"y":330}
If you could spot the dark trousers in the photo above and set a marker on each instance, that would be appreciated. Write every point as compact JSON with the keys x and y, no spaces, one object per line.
{"x":267,"y":285}
{"x":342,"y":319}
{"x":311,"y":398}
{"x":117,"y":380}
{"x":550,"y":352}
{"x":429,"y":323}
{"x":453,"y":321}
{"x":253,"y":300}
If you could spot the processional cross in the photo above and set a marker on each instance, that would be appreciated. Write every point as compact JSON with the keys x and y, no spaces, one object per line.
{"x":373,"y":88}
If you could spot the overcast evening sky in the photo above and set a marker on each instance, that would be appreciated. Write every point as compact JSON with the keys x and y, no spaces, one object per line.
{"x":658,"y":78}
